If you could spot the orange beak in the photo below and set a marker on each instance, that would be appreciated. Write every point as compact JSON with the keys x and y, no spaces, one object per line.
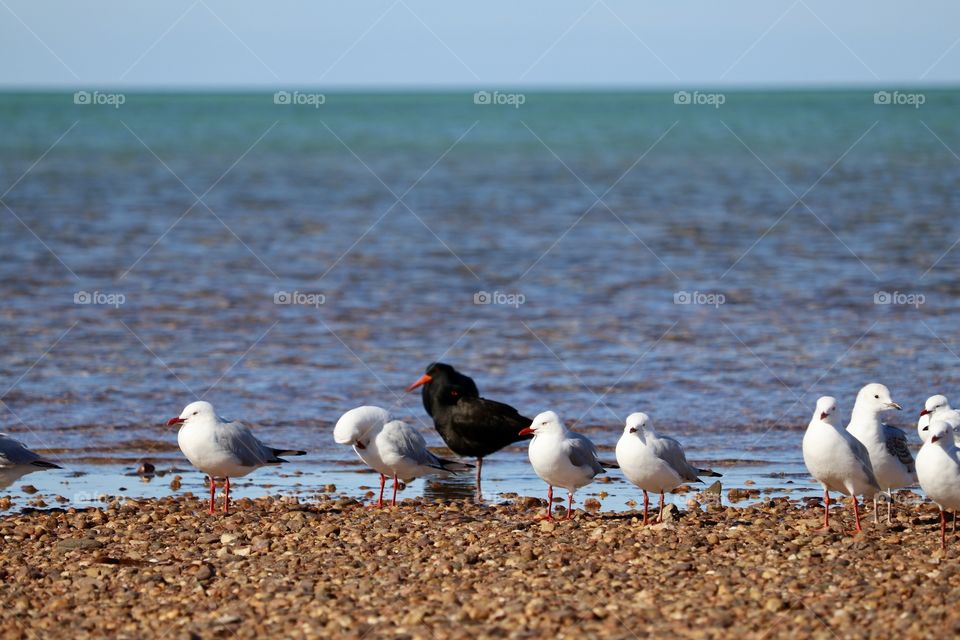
{"x":424,"y":379}
{"x":524,"y":432}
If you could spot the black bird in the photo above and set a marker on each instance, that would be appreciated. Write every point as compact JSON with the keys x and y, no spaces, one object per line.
{"x":470,"y":425}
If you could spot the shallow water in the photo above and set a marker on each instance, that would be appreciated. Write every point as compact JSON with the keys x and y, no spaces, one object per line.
{"x":494,"y":199}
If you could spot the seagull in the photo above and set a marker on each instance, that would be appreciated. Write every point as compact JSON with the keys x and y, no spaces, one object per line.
{"x":358,"y":427}
{"x":222,"y":449}
{"x":17,"y":461}
{"x":938,"y":469}
{"x":471,"y":426}
{"x":561,"y":458}
{"x":654,"y":462}
{"x":890,"y":458}
{"x":837,"y":460}
{"x":936,"y":407}
{"x":390,"y":447}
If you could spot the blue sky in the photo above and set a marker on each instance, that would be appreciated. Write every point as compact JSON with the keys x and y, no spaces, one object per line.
{"x":439,"y":43}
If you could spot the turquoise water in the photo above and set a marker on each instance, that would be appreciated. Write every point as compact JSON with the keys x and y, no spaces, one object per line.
{"x":495,"y":199}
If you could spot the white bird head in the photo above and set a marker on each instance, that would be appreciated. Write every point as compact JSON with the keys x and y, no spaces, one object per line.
{"x":934,"y":404}
{"x":194,"y":412}
{"x":636,"y":423}
{"x":359,"y":425}
{"x":546,"y":422}
{"x":826,"y":410}
{"x":875,"y":398}
{"x":941,"y":434}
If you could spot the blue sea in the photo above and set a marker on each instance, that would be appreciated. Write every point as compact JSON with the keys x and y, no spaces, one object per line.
{"x":715,"y":263}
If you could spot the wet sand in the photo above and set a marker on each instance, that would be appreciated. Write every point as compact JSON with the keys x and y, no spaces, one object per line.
{"x":332,"y":568}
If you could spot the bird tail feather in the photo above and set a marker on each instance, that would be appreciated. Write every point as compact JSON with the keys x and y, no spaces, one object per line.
{"x":709,"y":473}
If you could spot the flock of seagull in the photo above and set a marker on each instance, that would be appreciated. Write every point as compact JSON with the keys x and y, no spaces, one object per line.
{"x":865,"y":458}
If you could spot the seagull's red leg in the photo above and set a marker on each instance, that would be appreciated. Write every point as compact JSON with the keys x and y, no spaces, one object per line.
{"x":383,"y":483}
{"x":549,"y":515}
{"x":393,"y":502}
{"x":943,"y":529}
{"x":856,"y":512}
{"x":954,"y":528}
{"x":826,"y":509}
{"x":569,"y":504}
{"x":226,"y":495}
{"x":660,"y":517}
{"x":479,"y":468}
{"x":646,"y":505}
{"x":213,"y":492}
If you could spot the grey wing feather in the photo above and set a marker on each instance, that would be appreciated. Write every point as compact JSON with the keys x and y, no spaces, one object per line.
{"x":13,"y":452}
{"x":583,"y":453}
{"x":671,"y":452}
{"x":238,"y":438}
{"x":863,"y":457}
{"x":896,"y":440}
{"x":411,"y":445}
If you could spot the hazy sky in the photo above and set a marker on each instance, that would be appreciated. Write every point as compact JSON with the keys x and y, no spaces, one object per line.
{"x":427,"y":43}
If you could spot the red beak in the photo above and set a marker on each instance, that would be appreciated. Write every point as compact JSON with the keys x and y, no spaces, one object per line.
{"x":823,"y":415}
{"x":173,"y":421}
{"x":934,"y":438}
{"x":924,"y":412}
{"x":424,"y":379}
{"x":526,"y":431}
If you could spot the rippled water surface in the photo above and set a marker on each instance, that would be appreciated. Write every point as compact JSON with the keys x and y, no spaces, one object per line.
{"x":793,"y":209}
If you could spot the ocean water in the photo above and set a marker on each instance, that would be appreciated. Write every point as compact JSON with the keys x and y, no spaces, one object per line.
{"x":148,"y":250}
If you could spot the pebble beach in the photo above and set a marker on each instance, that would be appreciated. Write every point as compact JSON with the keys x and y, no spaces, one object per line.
{"x":334,"y":568}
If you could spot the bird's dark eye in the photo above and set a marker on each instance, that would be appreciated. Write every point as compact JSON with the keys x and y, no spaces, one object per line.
{"x":877,"y":397}
{"x":195,"y":412}
{"x":544,"y":423}
{"x":925,"y":428}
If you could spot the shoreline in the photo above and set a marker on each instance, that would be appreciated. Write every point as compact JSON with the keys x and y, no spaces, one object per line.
{"x":334,"y":568}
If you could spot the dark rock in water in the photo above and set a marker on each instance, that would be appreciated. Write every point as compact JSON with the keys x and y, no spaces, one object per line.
{"x":146,"y":469}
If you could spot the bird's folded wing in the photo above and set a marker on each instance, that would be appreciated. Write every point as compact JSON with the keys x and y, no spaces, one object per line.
{"x":583,"y":453}
{"x":671,"y":452}
{"x":237,"y":438}
{"x":896,"y":441}
{"x":476,"y":418}
{"x":863,"y":457}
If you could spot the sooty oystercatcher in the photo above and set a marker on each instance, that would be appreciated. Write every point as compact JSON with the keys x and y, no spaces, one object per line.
{"x":471,"y":426}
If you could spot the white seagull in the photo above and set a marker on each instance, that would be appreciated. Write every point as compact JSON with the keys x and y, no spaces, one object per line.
{"x":17,"y":461}
{"x":938,"y":469}
{"x":890,"y":458}
{"x":390,"y":447}
{"x":654,"y":462}
{"x":837,"y":460}
{"x":222,"y":449}
{"x":561,"y":458}
{"x":937,"y":408}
